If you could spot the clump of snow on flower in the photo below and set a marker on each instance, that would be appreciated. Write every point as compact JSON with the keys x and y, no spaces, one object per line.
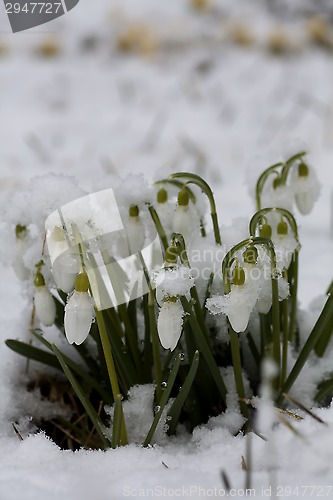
{"x":176,"y":281}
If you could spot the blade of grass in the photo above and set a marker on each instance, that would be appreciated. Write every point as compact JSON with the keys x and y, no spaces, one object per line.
{"x":91,"y":381}
{"x":325,"y":319}
{"x":34,"y":353}
{"x":164,"y":399}
{"x":204,"y":348}
{"x":117,"y":419}
{"x":177,"y":405}
{"x":82,"y":397}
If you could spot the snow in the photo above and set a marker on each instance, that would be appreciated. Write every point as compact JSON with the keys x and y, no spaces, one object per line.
{"x":196,"y":103}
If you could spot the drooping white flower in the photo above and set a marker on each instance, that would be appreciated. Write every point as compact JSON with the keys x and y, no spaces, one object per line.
{"x":164,"y":209}
{"x":79,"y":313}
{"x":23,"y":241}
{"x":183,"y":219}
{"x":278,"y":195}
{"x":306,"y":188}
{"x":238,"y":303}
{"x":135,"y":231}
{"x":66,"y":261}
{"x":45,"y":306}
{"x":170,"y":323}
{"x":285,"y":245}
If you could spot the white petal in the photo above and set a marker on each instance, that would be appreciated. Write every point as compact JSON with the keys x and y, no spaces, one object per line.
{"x":240,"y":306}
{"x":239,"y":318}
{"x":306,"y":190}
{"x":65,"y":269}
{"x":183,"y":223}
{"x":45,"y":306}
{"x":78,"y":317}
{"x":135,"y":234}
{"x":169,"y":324}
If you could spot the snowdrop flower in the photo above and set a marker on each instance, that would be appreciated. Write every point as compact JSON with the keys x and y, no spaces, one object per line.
{"x":23,"y":240}
{"x":183,"y":218}
{"x":306,"y":188}
{"x":135,"y":231}
{"x":278,"y":195}
{"x":79,"y":313}
{"x":285,"y":245}
{"x":66,"y":265}
{"x":170,"y":322}
{"x":45,"y":306}
{"x":164,"y":209}
{"x":239,"y":303}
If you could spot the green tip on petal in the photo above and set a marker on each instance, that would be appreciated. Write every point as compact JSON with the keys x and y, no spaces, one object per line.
{"x":238,"y":276}
{"x":282,"y":228}
{"x":82,"y":283}
{"x":277,"y":182}
{"x":134,"y":211}
{"x":250,"y":256}
{"x":20,"y":231}
{"x":162,"y":196}
{"x":39,"y":280}
{"x":183,"y":198}
{"x":303,"y":170}
{"x":266,"y":231}
{"x":171,"y":255}
{"x":170,"y":299}
{"x":58,"y":233}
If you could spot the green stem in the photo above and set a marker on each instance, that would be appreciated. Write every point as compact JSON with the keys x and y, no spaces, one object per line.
{"x":164,"y":399}
{"x":284,"y":341}
{"x":262,"y":181}
{"x":237,"y":367}
{"x":325,"y":319}
{"x":110,"y":366}
{"x":198,"y":181}
{"x":107,"y":354}
{"x":155,"y":344}
{"x":293,"y":291}
{"x":159,"y":227}
{"x":290,"y":163}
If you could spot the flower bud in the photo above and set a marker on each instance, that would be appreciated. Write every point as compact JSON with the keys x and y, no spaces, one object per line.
{"x":79,"y":312}
{"x":266,"y":231}
{"x":170,"y":323}
{"x":162,"y":196}
{"x":45,"y":306}
{"x":306,"y":188}
{"x":135,"y":231}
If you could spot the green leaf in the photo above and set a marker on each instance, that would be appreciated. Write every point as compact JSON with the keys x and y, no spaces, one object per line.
{"x":324,"y":321}
{"x":164,"y":399}
{"x":83,"y":398}
{"x":205,"y":349}
{"x":177,"y":406}
{"x":117,"y":419}
{"x":33,"y":353}
{"x":89,"y":380}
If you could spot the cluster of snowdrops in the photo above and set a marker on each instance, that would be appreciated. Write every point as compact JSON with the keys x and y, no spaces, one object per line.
{"x":196,"y":325}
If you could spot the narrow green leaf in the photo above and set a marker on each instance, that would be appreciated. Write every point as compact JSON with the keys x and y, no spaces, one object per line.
{"x":177,"y":406}
{"x":164,"y":399}
{"x":82,"y":397}
{"x":325,"y":319}
{"x":117,"y":419}
{"x":205,"y":349}
{"x":33,"y":353}
{"x":89,"y":380}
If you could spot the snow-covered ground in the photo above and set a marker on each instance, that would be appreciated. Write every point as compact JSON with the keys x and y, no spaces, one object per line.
{"x":191,"y":100}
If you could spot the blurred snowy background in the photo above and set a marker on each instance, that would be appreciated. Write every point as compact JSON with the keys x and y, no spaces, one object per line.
{"x":221,"y":87}
{"x":216,"y":86}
